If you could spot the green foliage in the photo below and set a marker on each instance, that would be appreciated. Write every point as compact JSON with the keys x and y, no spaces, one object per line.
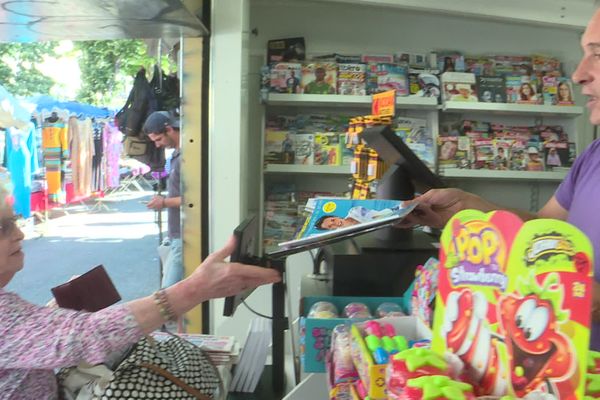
{"x":106,"y":64}
{"x":18,"y":72}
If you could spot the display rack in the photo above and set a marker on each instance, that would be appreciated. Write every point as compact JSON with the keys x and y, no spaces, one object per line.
{"x":335,"y":100}
{"x":539,"y":110}
{"x":307,"y":169}
{"x":505,"y":175}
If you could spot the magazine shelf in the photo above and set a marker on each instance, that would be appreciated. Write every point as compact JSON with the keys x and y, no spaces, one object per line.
{"x":333,"y":100}
{"x":504,"y":175}
{"x":307,"y":169}
{"x":512,"y":109}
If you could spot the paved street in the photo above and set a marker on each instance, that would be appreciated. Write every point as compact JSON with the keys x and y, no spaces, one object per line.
{"x":123,"y":239}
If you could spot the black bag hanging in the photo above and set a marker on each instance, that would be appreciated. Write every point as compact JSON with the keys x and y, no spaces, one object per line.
{"x":140,"y":104}
{"x":166,"y":90}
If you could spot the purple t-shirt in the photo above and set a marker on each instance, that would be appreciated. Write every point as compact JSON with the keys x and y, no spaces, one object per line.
{"x":579,"y":193}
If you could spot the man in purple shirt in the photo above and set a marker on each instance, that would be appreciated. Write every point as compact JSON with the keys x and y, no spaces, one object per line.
{"x":576,"y":199}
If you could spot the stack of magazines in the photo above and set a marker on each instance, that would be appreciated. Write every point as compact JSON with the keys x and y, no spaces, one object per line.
{"x":222,"y":350}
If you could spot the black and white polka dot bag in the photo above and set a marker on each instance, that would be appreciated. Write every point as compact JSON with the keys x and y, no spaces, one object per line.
{"x":169,"y":369}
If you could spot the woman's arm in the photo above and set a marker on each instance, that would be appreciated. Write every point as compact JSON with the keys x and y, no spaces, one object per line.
{"x":45,"y":338}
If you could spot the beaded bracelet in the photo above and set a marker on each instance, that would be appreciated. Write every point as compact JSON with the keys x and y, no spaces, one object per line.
{"x":160,"y":298}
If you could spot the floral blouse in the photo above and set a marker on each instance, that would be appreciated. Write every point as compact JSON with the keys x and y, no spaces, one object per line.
{"x":34,"y":340}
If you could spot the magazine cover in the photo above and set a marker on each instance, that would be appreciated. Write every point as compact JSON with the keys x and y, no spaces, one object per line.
{"x":392,"y":77}
{"x":304,"y":144}
{"x":450,"y":62}
{"x":518,"y":159}
{"x":549,"y":86}
{"x":491,"y":89}
{"x":340,"y":218}
{"x":285,"y":78}
{"x":327,"y":149}
{"x":502,"y":149}
{"x":418,"y":138}
{"x":413,"y":60}
{"x":319,"y":78}
{"x":556,"y":154}
{"x":484,"y":154}
{"x":279,"y":147}
{"x":564,"y":92}
{"x":480,"y":65}
{"x":459,"y":86}
{"x":377,"y":58}
{"x":527,"y":91}
{"x":352,"y":79}
{"x":513,"y":83}
{"x":535,"y":161}
{"x":292,"y":49}
{"x":515,"y":65}
{"x":424,"y":83}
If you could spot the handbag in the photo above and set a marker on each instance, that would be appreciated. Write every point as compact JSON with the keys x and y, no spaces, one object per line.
{"x":169,"y":369}
{"x":135,"y":147}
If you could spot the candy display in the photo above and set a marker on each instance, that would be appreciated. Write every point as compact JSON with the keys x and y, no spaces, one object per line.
{"x":376,"y":342}
{"x":321,"y":314}
{"x":514,"y":304}
{"x":389,"y":310}
{"x":323,"y":309}
{"x":511,"y":320}
{"x":357,"y":310}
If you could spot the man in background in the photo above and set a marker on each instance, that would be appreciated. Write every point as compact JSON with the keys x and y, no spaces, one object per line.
{"x":162,"y":128}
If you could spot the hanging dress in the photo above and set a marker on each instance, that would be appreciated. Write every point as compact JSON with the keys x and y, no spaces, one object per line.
{"x":22,"y":163}
{"x":82,"y":151}
{"x":112,"y":139}
{"x":56,"y":152}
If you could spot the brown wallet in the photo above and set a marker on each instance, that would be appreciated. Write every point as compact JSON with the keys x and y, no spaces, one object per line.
{"x":91,"y":291}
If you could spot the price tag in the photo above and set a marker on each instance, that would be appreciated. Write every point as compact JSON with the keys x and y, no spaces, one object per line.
{"x":384,"y":103}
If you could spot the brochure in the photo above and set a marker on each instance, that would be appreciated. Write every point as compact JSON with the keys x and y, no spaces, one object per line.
{"x":331,"y":220}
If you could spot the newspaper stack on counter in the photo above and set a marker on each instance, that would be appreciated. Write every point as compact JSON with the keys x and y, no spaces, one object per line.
{"x":222,"y":350}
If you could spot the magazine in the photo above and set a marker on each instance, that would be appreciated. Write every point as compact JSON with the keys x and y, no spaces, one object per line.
{"x":332,"y":219}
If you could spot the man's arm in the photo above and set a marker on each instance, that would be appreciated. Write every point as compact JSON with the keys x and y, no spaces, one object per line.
{"x":172,"y":202}
{"x":437,"y":206}
{"x":553,"y":210}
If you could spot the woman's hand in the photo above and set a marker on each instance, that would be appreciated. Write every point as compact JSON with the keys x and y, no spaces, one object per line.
{"x":219,"y":278}
{"x":216,"y":278}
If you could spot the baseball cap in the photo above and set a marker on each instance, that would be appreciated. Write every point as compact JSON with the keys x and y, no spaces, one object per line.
{"x":158,"y":120}
{"x":532,"y":150}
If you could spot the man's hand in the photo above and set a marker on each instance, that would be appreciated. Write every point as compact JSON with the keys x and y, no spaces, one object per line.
{"x":157,"y":203}
{"x":437,"y":206}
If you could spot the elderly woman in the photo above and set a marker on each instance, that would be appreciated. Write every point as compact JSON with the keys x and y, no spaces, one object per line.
{"x":34,"y":340}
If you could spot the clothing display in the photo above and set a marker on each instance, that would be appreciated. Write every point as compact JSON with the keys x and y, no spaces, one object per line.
{"x":56,"y":152}
{"x":26,"y":365}
{"x":112,"y":146}
{"x":22,"y":163}
{"x":98,"y":158}
{"x":82,"y":152}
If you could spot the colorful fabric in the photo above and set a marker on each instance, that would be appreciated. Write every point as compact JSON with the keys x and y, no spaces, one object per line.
{"x":82,"y":151}
{"x":56,"y":151}
{"x":112,"y":140}
{"x":22,"y":162}
{"x":36,"y":340}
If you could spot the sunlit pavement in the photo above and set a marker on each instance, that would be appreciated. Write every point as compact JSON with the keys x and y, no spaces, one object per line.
{"x":120,"y":233}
